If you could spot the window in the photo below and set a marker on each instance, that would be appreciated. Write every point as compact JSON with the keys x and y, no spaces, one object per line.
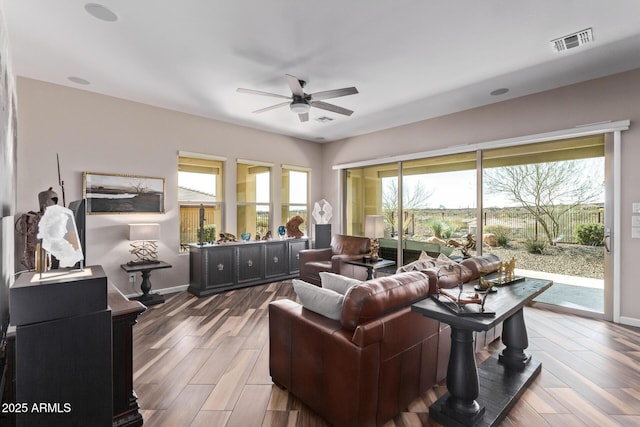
{"x":253,"y":191}
{"x":199,"y":187}
{"x":295,"y":195}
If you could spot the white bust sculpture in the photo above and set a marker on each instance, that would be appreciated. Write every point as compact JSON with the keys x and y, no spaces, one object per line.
{"x":57,"y":229}
{"x":322,"y":212}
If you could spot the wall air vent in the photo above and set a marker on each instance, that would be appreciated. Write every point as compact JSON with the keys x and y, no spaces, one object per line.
{"x":572,"y":40}
{"x":324,"y":119}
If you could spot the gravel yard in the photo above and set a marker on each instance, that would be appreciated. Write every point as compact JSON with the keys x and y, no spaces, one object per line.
{"x":573,"y":260}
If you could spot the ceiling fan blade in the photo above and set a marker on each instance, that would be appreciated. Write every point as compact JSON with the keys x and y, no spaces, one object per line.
{"x":258,"y":92}
{"x":304,"y":117}
{"x":331,"y":107}
{"x":335,"y":93}
{"x":294,"y":84}
{"x":272,"y":107}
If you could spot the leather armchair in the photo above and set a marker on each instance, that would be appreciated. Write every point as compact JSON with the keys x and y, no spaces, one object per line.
{"x":343,"y":247}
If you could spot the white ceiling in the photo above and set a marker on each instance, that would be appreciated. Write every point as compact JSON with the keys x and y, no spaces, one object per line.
{"x":410,"y":59}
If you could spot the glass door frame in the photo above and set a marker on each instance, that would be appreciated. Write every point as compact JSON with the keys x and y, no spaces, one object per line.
{"x":612,"y":132}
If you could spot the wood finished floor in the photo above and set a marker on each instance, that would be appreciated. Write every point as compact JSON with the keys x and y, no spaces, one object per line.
{"x":204,"y":362}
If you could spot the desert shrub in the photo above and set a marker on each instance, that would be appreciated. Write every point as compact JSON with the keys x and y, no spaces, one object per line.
{"x":439,"y":228}
{"x":535,"y":246}
{"x":589,"y":234}
{"x":502,"y":233}
{"x":209,"y":234}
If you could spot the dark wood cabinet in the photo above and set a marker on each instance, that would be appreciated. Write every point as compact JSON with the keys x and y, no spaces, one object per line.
{"x":294,"y":256}
{"x":276,"y":259}
{"x":123,"y":316}
{"x":218,"y":268}
{"x":250,"y":262}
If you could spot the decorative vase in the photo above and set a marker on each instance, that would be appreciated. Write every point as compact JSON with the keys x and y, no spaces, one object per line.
{"x":245,"y":236}
{"x":282,"y":231}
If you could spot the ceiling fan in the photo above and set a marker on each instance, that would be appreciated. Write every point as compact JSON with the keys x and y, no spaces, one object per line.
{"x":300,"y":102}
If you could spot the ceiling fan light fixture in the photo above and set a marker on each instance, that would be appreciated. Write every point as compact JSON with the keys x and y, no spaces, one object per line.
{"x":299,"y":107}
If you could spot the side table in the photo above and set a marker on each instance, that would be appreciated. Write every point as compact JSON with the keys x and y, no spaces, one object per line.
{"x":371,"y":266}
{"x":146,"y":298}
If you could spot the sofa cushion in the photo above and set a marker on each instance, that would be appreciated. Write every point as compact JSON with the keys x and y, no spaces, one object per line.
{"x":373,"y":298}
{"x":336,"y":282}
{"x":319,"y":300}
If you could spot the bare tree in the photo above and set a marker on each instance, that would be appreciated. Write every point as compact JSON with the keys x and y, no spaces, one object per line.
{"x":413,"y":197}
{"x":547,"y":190}
{"x":139,"y":187}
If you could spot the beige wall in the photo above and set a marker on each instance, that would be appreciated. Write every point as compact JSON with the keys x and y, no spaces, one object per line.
{"x":612,"y":98}
{"x":103,"y":134}
{"x":97,"y":133}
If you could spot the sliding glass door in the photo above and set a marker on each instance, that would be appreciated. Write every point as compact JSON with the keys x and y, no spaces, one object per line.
{"x":544,"y":205}
{"x":548,"y":205}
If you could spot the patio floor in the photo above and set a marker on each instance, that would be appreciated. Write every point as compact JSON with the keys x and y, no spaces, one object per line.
{"x":580,"y":293}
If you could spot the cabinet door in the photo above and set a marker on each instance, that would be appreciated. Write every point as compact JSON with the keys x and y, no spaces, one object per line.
{"x":220,"y":268}
{"x":294,"y":257}
{"x":250,"y":262}
{"x":275,"y":259}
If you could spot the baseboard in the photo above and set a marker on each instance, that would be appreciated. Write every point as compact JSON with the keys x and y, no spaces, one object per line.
{"x":630,"y":321}
{"x":163,"y":291}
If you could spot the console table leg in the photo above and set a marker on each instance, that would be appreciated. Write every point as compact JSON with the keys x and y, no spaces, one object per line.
{"x":145,"y":286}
{"x":462,"y":379}
{"x":514,"y":337}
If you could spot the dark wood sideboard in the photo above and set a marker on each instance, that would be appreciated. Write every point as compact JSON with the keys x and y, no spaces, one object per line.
{"x":218,"y":268}
{"x":124,"y":314}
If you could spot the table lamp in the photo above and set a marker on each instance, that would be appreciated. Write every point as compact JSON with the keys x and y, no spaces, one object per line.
{"x":143,"y":239}
{"x":374,"y":229}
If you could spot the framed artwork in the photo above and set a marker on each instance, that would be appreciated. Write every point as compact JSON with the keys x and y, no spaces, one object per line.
{"x":122,"y":194}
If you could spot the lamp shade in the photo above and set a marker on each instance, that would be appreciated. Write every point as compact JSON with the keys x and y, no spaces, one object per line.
{"x":144,"y":231}
{"x":374,"y":226}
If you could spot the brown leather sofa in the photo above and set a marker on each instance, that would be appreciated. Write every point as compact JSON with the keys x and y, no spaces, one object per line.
{"x":365,"y":368}
{"x":343,"y":247}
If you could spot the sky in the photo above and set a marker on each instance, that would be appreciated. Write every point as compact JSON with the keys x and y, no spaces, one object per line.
{"x":457,"y":190}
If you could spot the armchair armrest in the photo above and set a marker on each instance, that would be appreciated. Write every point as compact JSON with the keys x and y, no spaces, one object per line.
{"x":310,"y":255}
{"x":305,"y":346}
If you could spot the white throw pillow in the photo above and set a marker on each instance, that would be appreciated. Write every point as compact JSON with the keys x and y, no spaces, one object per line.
{"x":320,"y":300}
{"x":336,"y":282}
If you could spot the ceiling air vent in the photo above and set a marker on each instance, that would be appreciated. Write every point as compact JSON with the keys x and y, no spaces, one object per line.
{"x":573,"y":40}
{"x":324,"y":119}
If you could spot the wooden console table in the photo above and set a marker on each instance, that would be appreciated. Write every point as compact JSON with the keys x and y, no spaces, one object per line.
{"x":469,"y":402}
{"x":146,"y":298}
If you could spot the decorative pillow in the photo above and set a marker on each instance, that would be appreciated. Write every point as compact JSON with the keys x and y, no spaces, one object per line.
{"x":323,"y":301}
{"x":418,"y":265}
{"x":426,"y":257}
{"x":444,"y":260}
{"x":337,"y":282}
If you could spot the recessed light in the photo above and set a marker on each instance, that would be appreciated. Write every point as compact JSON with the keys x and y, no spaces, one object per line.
{"x":500,"y":91}
{"x":78,"y":80}
{"x":100,"y":12}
